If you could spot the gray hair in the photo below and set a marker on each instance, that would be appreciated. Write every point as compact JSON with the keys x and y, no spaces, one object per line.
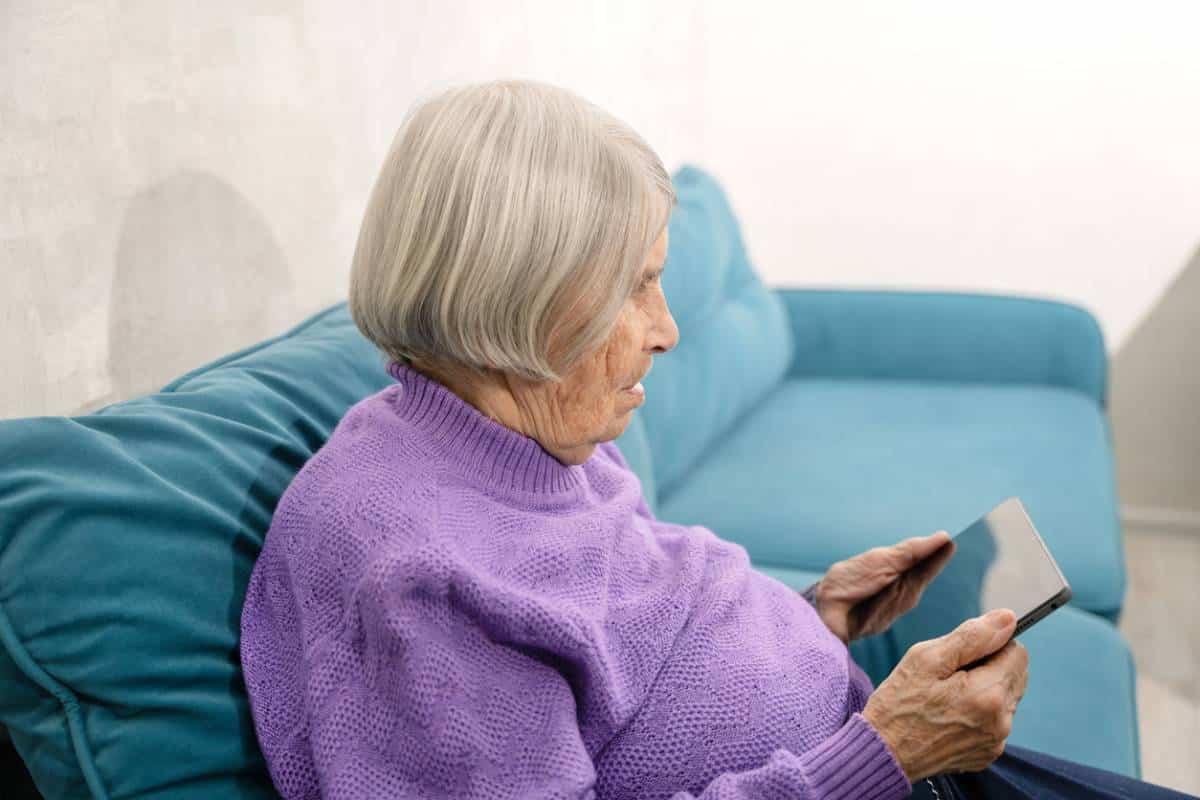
{"x":509,"y":218}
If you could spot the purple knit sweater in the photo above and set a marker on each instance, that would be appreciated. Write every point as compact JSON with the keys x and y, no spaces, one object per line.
{"x":442,"y":609}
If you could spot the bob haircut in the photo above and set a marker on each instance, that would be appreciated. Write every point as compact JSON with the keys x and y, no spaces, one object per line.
{"x":508,"y":225}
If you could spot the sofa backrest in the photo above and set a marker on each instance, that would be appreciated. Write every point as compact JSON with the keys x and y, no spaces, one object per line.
{"x":734,"y":341}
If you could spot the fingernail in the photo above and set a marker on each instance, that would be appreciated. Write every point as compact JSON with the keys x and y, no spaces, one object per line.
{"x":999,"y":618}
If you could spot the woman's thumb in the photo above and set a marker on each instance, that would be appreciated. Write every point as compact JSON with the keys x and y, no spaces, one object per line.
{"x":976,"y":638}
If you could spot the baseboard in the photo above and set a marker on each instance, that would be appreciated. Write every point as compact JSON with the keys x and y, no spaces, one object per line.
{"x":1161,"y":519}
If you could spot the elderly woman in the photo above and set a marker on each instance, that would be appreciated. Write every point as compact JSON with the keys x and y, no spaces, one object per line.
{"x":463,"y":593}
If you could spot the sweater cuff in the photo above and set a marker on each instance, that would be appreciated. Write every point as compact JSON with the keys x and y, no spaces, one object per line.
{"x":854,"y":764}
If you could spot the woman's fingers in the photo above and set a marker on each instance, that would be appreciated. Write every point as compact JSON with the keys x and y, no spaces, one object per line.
{"x":1008,"y":667}
{"x":973,"y":640}
{"x":883,"y":583}
{"x":910,"y":552}
{"x":938,"y":718}
{"x":889,"y":581}
{"x":899,"y":558}
{"x":933,"y":564}
{"x":917,"y":577}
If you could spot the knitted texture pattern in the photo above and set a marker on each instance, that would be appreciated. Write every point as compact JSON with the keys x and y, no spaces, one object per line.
{"x":442,"y":609}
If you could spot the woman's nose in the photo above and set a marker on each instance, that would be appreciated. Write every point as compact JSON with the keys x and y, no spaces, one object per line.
{"x":665,"y":333}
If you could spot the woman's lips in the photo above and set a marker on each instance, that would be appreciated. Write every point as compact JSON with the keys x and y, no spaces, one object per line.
{"x":637,"y":388}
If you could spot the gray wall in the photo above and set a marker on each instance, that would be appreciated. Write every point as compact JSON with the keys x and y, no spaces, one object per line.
{"x":1155,"y":407}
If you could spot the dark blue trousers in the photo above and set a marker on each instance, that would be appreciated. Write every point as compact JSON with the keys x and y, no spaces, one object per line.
{"x":1021,"y":773}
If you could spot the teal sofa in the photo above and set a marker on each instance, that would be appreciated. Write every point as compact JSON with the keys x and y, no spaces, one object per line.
{"x":807,"y":425}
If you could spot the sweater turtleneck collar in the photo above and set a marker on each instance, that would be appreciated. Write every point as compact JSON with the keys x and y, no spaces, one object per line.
{"x":483,"y":448}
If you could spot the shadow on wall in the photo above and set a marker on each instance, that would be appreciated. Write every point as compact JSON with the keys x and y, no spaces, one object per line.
{"x":198,"y":275}
{"x":1156,"y":403}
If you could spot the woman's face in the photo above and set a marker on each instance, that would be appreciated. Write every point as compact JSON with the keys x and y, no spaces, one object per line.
{"x":595,"y":400}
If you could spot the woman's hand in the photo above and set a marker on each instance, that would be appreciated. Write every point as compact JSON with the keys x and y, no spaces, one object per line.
{"x":863,"y":595}
{"x":936,"y":717}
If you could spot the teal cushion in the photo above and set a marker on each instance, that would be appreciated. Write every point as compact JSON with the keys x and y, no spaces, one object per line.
{"x":1080,"y":703}
{"x":824,"y":469}
{"x":126,"y":540}
{"x":946,"y":336}
{"x":734,"y":343}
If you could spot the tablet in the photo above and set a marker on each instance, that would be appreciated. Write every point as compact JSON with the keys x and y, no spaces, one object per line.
{"x":999,"y":561}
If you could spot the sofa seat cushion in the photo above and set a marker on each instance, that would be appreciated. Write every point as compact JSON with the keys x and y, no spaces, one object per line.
{"x":824,"y":469}
{"x":1080,"y":703}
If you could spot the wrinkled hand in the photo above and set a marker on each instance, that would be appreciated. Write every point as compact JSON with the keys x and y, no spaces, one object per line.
{"x":864,"y":595}
{"x":937,"y":716}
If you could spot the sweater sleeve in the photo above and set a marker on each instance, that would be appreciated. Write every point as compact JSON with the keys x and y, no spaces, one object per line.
{"x":432,"y":693}
{"x":853,"y":763}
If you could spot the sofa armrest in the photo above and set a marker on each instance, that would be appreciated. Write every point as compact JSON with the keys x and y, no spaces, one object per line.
{"x":946,"y":336}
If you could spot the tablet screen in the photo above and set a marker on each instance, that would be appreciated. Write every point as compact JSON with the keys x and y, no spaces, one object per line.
{"x":999,"y":561}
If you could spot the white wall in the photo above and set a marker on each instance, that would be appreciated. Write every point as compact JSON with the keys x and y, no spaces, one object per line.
{"x":180,"y":179}
{"x":1035,"y":147}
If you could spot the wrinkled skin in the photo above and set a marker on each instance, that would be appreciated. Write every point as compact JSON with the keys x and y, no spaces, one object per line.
{"x":937,"y":717}
{"x":864,"y":595}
